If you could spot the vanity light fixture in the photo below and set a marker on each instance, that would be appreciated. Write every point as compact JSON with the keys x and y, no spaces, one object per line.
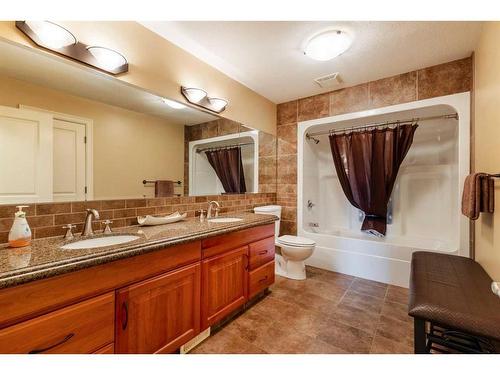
{"x":51,"y":34}
{"x":107,"y":57}
{"x":217,"y":104}
{"x":201,"y":99}
{"x":193,"y":95}
{"x":57,"y":39}
{"x":173,"y":104}
{"x":327,"y":45}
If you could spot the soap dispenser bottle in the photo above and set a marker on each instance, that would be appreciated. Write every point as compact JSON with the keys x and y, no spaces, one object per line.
{"x":20,"y":233}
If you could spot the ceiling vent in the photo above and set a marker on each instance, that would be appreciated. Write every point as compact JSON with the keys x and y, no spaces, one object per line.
{"x":329,"y":81}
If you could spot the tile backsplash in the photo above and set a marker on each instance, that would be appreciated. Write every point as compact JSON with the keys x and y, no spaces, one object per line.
{"x":47,"y":219}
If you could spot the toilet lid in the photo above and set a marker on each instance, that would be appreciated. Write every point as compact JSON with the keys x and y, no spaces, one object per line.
{"x":296,"y":241}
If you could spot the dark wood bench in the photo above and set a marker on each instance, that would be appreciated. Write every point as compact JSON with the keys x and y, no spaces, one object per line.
{"x":452,"y":305}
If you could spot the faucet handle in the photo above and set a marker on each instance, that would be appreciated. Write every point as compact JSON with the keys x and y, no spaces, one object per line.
{"x":217,"y":209}
{"x":107,"y":228}
{"x":69,"y":234}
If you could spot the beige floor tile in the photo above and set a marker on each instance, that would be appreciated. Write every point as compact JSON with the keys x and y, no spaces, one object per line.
{"x":357,"y":318}
{"x":396,"y":330}
{"x":350,"y":339}
{"x":371,"y":288}
{"x":397,"y":311}
{"x":383,"y":345}
{"x":362,"y":301}
{"x":397,"y":294}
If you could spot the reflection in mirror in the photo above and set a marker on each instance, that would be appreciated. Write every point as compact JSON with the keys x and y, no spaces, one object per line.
{"x":69,"y":133}
{"x":222,"y":158}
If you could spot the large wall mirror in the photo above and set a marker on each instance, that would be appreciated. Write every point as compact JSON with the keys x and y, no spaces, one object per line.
{"x":69,"y":133}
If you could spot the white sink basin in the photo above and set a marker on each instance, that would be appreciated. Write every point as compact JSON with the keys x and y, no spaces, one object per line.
{"x":99,"y":242}
{"x":225,"y":220}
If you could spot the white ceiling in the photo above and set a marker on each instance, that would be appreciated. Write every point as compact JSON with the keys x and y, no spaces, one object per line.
{"x":267,"y":56}
{"x":46,"y":69}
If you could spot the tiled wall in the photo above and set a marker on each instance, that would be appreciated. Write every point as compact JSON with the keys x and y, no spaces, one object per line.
{"x":47,"y":219}
{"x":216,"y":128}
{"x":439,"y":80}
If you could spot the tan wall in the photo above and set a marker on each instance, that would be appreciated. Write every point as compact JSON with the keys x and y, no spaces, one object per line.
{"x":487,"y":140}
{"x":128,"y":146}
{"x":159,"y":66}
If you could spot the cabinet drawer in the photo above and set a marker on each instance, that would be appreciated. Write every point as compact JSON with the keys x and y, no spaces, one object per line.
{"x":80,"y":328}
{"x":260,"y":278}
{"x":217,"y":245}
{"x":261,"y":252}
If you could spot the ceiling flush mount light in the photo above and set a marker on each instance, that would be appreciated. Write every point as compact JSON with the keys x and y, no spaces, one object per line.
{"x":51,"y":34}
{"x":56,"y":38}
{"x":173,"y":104}
{"x":327,"y":45}
{"x":107,"y":57}
{"x":201,"y":99}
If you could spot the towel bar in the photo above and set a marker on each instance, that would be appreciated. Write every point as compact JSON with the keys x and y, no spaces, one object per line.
{"x":144,"y":182}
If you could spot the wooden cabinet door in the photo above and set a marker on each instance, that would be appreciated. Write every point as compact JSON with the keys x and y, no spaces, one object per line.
{"x":160,"y":314}
{"x":224,"y":285}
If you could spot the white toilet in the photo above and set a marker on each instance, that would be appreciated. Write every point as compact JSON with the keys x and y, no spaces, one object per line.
{"x":294,"y":250}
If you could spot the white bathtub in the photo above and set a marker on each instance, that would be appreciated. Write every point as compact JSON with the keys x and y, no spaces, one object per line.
{"x":426,"y":197}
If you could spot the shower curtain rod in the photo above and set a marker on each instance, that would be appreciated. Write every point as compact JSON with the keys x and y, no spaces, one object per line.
{"x":223,"y":147}
{"x":384,"y":123}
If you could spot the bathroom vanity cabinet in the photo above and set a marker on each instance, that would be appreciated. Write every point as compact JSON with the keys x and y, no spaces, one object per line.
{"x":149,"y":303}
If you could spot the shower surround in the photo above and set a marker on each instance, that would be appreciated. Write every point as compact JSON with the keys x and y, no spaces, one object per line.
{"x":444,"y":79}
{"x":425,"y":207}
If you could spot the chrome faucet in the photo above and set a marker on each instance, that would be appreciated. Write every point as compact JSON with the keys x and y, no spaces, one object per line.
{"x":87,"y":227}
{"x":210,"y":205}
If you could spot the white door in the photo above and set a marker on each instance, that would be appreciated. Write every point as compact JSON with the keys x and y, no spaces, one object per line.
{"x":25,"y":156}
{"x":69,"y":161}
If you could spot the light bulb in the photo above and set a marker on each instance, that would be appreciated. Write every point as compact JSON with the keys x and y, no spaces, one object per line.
{"x":217,"y":104}
{"x":107,"y":58}
{"x":194,"y":95}
{"x":51,"y":34}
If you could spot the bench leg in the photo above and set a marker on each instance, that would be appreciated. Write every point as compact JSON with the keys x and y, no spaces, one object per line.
{"x":419,"y":336}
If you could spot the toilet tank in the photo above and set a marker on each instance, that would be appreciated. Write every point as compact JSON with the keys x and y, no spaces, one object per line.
{"x":271,"y":210}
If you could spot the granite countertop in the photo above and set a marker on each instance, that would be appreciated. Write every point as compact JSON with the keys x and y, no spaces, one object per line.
{"x":44,"y":257}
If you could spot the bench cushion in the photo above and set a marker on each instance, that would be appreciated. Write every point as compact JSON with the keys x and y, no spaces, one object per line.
{"x":453,"y":292}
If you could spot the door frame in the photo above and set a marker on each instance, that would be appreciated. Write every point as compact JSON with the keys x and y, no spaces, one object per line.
{"x":89,"y":145}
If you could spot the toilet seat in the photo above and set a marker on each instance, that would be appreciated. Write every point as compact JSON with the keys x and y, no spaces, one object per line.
{"x":295,"y":241}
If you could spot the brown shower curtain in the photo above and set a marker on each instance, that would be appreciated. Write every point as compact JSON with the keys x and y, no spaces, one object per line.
{"x":367,"y":164}
{"x":228,"y":166}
